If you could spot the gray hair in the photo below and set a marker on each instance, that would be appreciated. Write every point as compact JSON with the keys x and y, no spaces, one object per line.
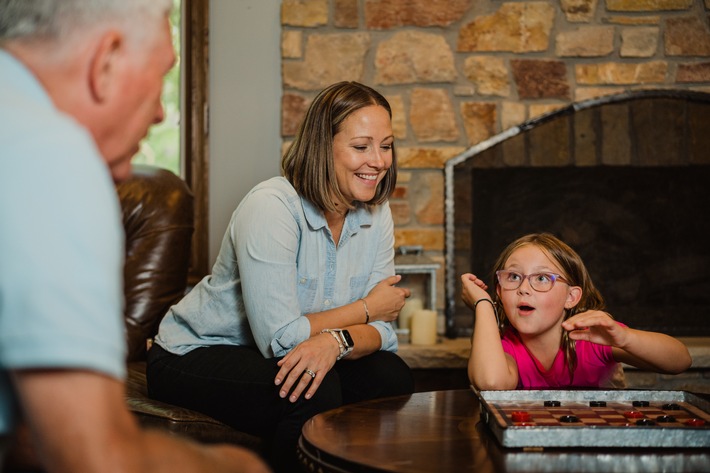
{"x":57,"y":19}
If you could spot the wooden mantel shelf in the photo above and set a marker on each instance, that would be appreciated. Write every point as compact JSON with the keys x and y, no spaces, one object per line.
{"x":454,"y":353}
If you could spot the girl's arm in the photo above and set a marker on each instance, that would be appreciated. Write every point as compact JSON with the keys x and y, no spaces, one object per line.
{"x":643,"y":349}
{"x":489,"y":367}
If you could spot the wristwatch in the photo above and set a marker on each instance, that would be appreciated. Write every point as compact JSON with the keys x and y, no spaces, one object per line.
{"x":345,"y":341}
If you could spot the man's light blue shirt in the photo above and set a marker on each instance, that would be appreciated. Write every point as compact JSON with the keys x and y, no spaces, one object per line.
{"x":61,"y":242}
{"x":278,"y":262}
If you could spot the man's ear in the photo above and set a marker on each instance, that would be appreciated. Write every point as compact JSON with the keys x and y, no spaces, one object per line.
{"x":573,"y":296}
{"x":104,"y":65}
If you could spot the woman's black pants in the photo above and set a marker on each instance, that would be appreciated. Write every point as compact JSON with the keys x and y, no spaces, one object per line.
{"x":235,"y":385}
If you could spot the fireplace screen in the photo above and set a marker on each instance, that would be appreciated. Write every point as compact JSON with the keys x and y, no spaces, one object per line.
{"x":623,"y":180}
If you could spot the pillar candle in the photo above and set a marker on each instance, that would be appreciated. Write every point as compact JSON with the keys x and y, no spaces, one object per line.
{"x":423,"y":327}
{"x":405,"y":314}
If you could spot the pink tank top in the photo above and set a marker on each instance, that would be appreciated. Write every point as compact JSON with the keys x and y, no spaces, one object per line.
{"x":595,"y":365}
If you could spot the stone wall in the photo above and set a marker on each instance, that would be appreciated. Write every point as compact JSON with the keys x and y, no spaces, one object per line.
{"x":459,"y":71}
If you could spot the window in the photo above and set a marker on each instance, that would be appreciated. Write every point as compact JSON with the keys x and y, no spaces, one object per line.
{"x":162,"y":145}
{"x":180,"y":143}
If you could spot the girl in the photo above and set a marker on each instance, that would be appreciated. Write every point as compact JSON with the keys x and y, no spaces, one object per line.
{"x":554,"y":331}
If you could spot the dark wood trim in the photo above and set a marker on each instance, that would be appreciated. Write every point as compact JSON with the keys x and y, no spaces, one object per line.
{"x":196,"y":126}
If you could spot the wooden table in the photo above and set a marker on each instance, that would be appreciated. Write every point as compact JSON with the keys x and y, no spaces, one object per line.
{"x":440,"y":431}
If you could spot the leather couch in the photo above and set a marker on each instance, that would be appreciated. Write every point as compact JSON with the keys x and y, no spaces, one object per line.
{"x":157,"y":210}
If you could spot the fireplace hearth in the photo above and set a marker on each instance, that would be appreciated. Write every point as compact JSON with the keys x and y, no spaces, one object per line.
{"x":622,"y":179}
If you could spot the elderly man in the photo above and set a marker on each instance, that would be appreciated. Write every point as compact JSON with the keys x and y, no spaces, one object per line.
{"x":80,"y":84}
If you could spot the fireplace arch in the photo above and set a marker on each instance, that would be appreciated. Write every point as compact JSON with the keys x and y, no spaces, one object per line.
{"x":624,"y":179}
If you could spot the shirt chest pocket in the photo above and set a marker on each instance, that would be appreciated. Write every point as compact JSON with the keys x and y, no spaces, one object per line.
{"x":307,"y":290}
{"x":358,"y":285}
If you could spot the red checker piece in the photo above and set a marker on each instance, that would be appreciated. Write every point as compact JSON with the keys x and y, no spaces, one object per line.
{"x":520,"y":416}
{"x":634,"y":414}
{"x":695,"y":422}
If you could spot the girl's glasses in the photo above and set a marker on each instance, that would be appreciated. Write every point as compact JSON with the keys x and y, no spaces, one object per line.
{"x":541,"y":282}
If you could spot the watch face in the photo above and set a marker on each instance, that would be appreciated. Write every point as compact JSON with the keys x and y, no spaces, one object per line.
{"x":348,"y":338}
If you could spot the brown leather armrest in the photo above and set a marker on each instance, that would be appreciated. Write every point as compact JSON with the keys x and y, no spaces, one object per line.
{"x":157,"y":209}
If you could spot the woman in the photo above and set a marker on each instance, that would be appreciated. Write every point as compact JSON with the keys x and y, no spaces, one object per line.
{"x":295,"y":318}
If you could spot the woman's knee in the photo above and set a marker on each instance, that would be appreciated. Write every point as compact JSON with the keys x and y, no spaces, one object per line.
{"x":394,"y":374}
{"x":381,"y":374}
{"x":329,"y":394}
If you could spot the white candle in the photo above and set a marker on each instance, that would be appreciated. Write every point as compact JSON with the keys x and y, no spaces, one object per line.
{"x":423,"y":327}
{"x":405,"y":314}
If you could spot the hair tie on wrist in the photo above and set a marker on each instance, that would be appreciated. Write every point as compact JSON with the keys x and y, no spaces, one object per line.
{"x":367,"y":312}
{"x":475,"y":305}
{"x":493,"y":304}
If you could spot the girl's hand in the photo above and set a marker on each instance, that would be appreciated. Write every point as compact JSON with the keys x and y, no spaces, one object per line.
{"x":318,"y":355}
{"x":597,"y":327}
{"x":473,"y":289}
{"x":385,"y":300}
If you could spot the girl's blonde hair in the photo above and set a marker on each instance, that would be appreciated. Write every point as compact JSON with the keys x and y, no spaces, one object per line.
{"x":572,"y":269}
{"x":308,"y":164}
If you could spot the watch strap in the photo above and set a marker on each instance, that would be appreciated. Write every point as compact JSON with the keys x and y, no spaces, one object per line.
{"x":338,"y":339}
{"x":343,"y":346}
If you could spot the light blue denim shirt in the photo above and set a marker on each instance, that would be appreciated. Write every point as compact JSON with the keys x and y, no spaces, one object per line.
{"x":277,"y":263}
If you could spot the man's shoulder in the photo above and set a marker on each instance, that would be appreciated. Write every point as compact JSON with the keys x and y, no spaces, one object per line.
{"x":29,"y":121}
{"x":44,"y":135}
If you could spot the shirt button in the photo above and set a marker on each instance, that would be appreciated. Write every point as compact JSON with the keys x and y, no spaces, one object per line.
{"x":327,"y":302}
{"x":303,"y":281}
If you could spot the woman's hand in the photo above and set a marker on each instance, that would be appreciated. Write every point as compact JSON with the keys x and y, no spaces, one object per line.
{"x":386,"y":300}
{"x":597,"y":327}
{"x":473,"y":289}
{"x":316,"y":355}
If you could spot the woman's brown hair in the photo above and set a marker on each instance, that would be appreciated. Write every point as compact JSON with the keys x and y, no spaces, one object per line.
{"x":308,"y":162}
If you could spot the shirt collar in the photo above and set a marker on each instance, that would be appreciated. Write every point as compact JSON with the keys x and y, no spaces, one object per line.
{"x":354,"y":219}
{"x":23,"y":78}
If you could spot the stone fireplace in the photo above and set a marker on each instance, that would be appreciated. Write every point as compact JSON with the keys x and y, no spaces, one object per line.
{"x":461,"y":77}
{"x":623,"y":179}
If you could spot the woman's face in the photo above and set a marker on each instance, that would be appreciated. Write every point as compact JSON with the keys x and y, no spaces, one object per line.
{"x":531,"y":312}
{"x":362,"y":152}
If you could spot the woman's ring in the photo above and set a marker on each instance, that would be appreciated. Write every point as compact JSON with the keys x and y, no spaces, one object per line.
{"x":311,"y":372}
